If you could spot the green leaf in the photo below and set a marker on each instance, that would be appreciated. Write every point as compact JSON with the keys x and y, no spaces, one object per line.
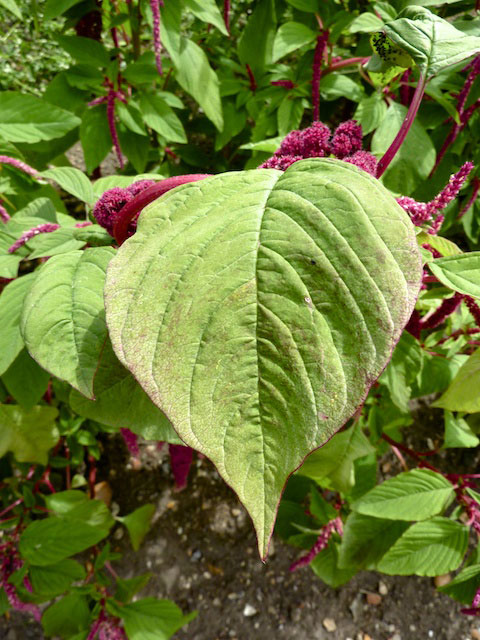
{"x":135,"y":147}
{"x":459,"y":272}
{"x":335,"y":459}
{"x":25,"y":380}
{"x":85,"y":50}
{"x":25,"y":118}
{"x":445,"y":246}
{"x":365,"y":23}
{"x":55,"y":8}
{"x":196,"y":76}
{"x":76,"y":504}
{"x":11,"y":303}
{"x":95,"y":136}
{"x":63,"y":322}
{"x":270,"y":145}
{"x":408,"y":168}
{"x":131,"y":117}
{"x":13,"y":7}
{"x":54,"y":243}
{"x":338,"y":85}
{"x":94,"y":235}
{"x":127,"y":588}
{"x":236,"y":314}
{"x":48,"y":541}
{"x":310,"y":6}
{"x":458,"y":433}
{"x":121,"y":402}
{"x":161,"y":118}
{"x":325,"y":566}
{"x":73,"y":181}
{"x":138,"y":524}
{"x":429,"y":548}
{"x":414,"y":495}
{"x":55,"y":579}
{"x":434,"y":43}
{"x":207,"y":11}
{"x":29,"y":435}
{"x":151,"y":619}
{"x":365,"y":540}
{"x":464,"y":392}
{"x":67,"y":616}
{"x":291,"y":36}
{"x":289,"y":114}
{"x":464,"y":586}
{"x":255,"y":45}
{"x":39,"y":208}
{"x":370,"y":112}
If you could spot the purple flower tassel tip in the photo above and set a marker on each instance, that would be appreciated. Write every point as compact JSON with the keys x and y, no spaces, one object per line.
{"x":347,"y":139}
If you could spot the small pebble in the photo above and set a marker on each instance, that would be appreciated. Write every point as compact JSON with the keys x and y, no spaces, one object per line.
{"x":196,"y":555}
{"x":396,"y":636}
{"x":366,"y":637}
{"x":430,"y":633}
{"x":475,"y":633}
{"x":249,"y":611}
{"x":382,"y":588}
{"x":412,"y":627}
{"x":217,"y":602}
{"x":374,"y":598}
{"x":330,"y":624}
{"x":441,"y":581}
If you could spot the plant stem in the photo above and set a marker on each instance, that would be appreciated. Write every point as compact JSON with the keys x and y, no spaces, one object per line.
{"x":130,"y":210}
{"x":405,"y":128}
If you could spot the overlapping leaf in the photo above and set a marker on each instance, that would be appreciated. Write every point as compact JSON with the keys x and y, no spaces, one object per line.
{"x":63,"y":321}
{"x":256,"y":309}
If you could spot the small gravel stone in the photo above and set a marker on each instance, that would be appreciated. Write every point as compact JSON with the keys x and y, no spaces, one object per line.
{"x":196,"y":555}
{"x":396,"y":636}
{"x":374,"y":598}
{"x":475,"y":633}
{"x":441,"y":581}
{"x":329,"y":624}
{"x":382,"y":588}
{"x":249,"y":611}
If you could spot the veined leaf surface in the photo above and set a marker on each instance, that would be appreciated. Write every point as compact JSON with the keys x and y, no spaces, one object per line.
{"x":257,"y":308}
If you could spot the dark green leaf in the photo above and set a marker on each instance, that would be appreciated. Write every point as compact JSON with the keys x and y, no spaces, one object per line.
{"x":28,"y":434}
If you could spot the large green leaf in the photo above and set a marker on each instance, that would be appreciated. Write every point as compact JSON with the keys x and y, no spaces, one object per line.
{"x":464,"y":392}
{"x":413,"y":495}
{"x":25,"y":380}
{"x":67,"y":616}
{"x":161,"y":118}
{"x":49,"y":541}
{"x":365,"y":540}
{"x":11,"y":303}
{"x":63,"y":322}
{"x":13,"y":7}
{"x":196,"y":76}
{"x":207,"y":11}
{"x":291,"y":36}
{"x":95,"y":136}
{"x":256,"y":309}
{"x":434,"y":43}
{"x":28,"y":434}
{"x":429,"y":548}
{"x":121,"y":402}
{"x":25,"y":118}
{"x":85,"y":50}
{"x":151,"y":619}
{"x":73,"y":181}
{"x":409,"y":167}
{"x":255,"y":45}
{"x":335,"y":459}
{"x":53,"y":580}
{"x":459,"y":272}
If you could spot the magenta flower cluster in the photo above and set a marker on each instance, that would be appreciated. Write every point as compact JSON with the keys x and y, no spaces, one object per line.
{"x":421,"y":212}
{"x":317,"y":141}
{"x":113,"y":200}
{"x":107,"y":628}
{"x":48,"y":227}
{"x":321,"y":543}
{"x":10,"y":562}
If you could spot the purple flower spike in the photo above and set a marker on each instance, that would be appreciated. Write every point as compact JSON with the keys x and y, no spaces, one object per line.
{"x":18,"y":164}
{"x":451,"y":190}
{"x":181,"y":460}
{"x":347,"y":139}
{"x":320,"y":544}
{"x":316,"y":141}
{"x":131,"y":441}
{"x":4,"y":217}
{"x":157,"y":45}
{"x":364,"y":160}
{"x":280,"y":162}
{"x":113,"y":200}
{"x":31,"y":233}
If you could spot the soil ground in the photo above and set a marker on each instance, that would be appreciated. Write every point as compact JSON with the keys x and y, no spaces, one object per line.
{"x":202,"y":553}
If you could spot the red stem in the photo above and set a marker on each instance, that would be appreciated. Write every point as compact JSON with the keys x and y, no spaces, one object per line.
{"x":473,"y":197}
{"x":405,"y":128}
{"x":251,"y":77}
{"x":322,"y":43}
{"x":226,"y":14}
{"x":341,"y":64}
{"x":130,"y":210}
